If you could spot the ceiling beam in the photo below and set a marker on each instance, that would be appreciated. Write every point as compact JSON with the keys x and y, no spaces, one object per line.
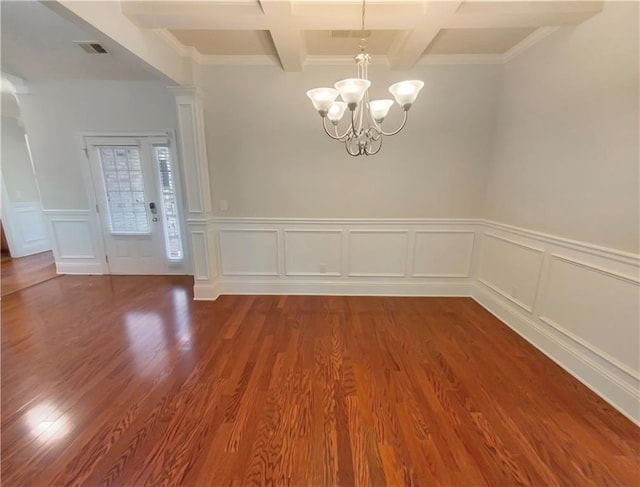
{"x":287,"y":40}
{"x":408,"y":49}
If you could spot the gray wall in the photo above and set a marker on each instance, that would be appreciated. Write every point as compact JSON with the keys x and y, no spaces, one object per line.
{"x":566,"y":153}
{"x":56,"y":112}
{"x":270,"y":157}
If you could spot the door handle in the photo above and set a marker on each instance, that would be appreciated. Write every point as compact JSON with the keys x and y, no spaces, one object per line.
{"x":152,"y":207}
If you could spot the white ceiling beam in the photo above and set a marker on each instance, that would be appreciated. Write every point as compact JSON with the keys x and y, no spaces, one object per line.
{"x":287,"y":40}
{"x":408,"y":49}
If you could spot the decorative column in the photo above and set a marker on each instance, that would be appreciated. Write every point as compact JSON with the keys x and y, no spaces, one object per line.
{"x":197,"y":185}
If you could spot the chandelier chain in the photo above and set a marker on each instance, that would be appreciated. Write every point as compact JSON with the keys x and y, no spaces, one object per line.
{"x":363,"y":41}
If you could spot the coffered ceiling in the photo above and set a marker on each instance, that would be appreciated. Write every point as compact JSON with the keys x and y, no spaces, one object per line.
{"x":401,"y":33}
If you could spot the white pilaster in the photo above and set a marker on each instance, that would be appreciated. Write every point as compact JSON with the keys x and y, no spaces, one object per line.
{"x":195,"y":168}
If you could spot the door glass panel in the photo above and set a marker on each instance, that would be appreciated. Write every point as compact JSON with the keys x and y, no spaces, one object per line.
{"x":169,"y":203}
{"x":122,"y":175}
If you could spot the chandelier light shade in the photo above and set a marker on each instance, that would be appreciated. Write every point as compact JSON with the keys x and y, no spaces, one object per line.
{"x":364,"y":132}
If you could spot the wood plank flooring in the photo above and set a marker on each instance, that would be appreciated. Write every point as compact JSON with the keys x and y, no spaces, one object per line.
{"x":20,"y":273}
{"x":126,"y":381}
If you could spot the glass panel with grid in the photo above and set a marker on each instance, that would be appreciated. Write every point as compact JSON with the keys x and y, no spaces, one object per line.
{"x":124,"y":186}
{"x":169,"y":202}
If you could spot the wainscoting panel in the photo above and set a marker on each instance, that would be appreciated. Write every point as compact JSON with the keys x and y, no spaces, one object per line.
{"x":249,"y":252}
{"x":510,"y":268}
{"x":200,"y":255}
{"x":442,"y":253}
{"x":30,"y":234}
{"x":76,"y":242}
{"x":314,"y":252}
{"x":581,"y":306}
{"x":339,"y":256}
{"x":596,"y":308}
{"x":378,"y":253}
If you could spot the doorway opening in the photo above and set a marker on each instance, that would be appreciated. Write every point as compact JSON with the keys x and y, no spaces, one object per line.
{"x":138,"y":200}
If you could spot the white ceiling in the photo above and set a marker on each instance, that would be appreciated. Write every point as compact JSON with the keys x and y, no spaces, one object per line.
{"x":38,"y":44}
{"x":401,"y":32}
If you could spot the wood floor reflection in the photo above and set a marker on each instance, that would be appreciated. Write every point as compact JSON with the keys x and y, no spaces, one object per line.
{"x":20,"y":273}
{"x":126,"y":381}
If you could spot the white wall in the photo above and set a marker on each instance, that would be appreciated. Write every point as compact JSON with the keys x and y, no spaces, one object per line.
{"x":22,"y":217}
{"x":16,"y":165}
{"x":270,"y":157}
{"x":567,"y":140}
{"x":56,"y":112}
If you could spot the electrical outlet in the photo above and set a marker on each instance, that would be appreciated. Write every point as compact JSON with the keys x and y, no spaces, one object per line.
{"x":224,"y":206}
{"x":514,"y":291}
{"x":323,"y":268}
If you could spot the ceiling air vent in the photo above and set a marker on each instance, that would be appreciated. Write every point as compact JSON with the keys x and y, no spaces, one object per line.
{"x":92,"y":47}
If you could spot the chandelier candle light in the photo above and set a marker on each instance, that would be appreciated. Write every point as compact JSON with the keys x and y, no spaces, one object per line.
{"x":364,"y":134}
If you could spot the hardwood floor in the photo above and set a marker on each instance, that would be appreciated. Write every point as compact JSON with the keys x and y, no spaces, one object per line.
{"x":126,"y":381}
{"x":16,"y":274}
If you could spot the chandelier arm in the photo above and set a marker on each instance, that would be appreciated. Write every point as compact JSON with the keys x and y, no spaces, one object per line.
{"x":375,"y":151}
{"x":354,"y":121}
{"x":336,"y":136}
{"x":404,"y":122}
{"x":347,"y":145}
{"x":374,"y":134}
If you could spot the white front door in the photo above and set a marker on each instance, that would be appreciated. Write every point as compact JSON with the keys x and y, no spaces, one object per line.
{"x":136,"y":193}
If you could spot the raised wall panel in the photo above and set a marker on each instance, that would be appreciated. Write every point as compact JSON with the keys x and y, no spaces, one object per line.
{"x":442,"y":253}
{"x":75,"y":236}
{"x":378,"y":253}
{"x":511,"y":268}
{"x":595,"y":307}
{"x":31,"y":235}
{"x":249,"y":252}
{"x":73,"y":239}
{"x":313,"y":252}
{"x":200,"y":253}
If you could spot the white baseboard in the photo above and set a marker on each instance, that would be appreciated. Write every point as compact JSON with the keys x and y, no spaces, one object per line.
{"x":606,"y":383}
{"x":93,"y":268}
{"x":206,"y":292}
{"x":344,"y":288}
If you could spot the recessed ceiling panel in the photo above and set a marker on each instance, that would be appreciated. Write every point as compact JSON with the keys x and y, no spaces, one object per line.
{"x":477,"y":41}
{"x":346,"y":42}
{"x":227,"y":42}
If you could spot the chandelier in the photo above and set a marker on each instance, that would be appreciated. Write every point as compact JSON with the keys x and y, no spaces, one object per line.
{"x":363,"y":135}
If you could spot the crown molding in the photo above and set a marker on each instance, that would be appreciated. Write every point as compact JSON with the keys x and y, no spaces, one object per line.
{"x":347,"y":60}
{"x":461,"y":59}
{"x":529,"y":41}
{"x":237,"y":60}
